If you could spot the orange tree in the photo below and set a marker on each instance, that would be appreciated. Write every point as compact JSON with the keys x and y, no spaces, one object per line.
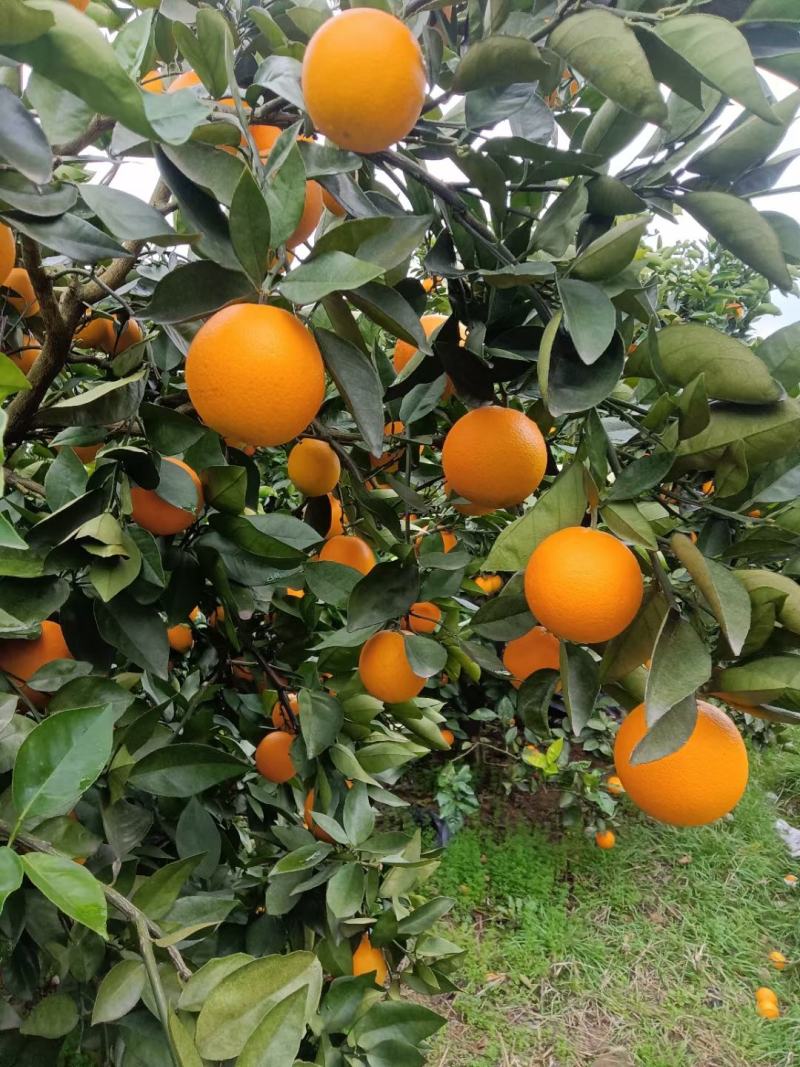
{"x":254,"y":489}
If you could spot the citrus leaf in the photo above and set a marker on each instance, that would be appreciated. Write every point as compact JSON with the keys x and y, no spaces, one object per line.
{"x":11,"y":872}
{"x":358,"y":384}
{"x":184,"y":770}
{"x":720,"y":589}
{"x":330,"y":272}
{"x":589,"y":317}
{"x":498,"y":61}
{"x":119,"y":991}
{"x":681,"y":664}
{"x":69,"y":886}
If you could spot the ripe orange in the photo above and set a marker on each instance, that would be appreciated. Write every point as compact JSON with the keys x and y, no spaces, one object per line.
{"x":80,"y":5}
{"x":332,"y":204}
{"x":264,"y":138}
{"x":765,"y":993}
{"x":489,"y":583}
{"x":130,"y":334}
{"x":756,"y":513}
{"x":424,"y":617}
{"x":583,"y":585}
{"x":317,"y":831}
{"x":337,"y":523}
{"x":449,"y":540}
{"x":389,"y":462}
{"x":467,"y":509}
{"x":278,"y":716}
{"x":707,"y":487}
{"x":27,"y":354}
{"x":448,"y":736}
{"x":273,"y":758}
{"x":777,"y":959}
{"x":153,"y":513}
{"x":614,"y":786}
{"x":534,"y":651}
{"x":403,"y":351}
{"x":314,"y":467}
{"x":494,"y":456}
{"x":8,"y":252}
{"x":25,"y":301}
{"x":86,"y":453}
{"x":349,"y":550}
{"x":151,"y":82}
{"x":22,"y":659}
{"x":385,"y":671}
{"x":187,"y":80}
{"x":605,"y":839}
{"x":298,"y":593}
{"x":217,"y":616}
{"x":367,"y":959}
{"x":768,"y":1009}
{"x":363,"y":79}
{"x":255,"y":373}
{"x":96,"y":333}
{"x":180,"y":637}
{"x":699,"y":783}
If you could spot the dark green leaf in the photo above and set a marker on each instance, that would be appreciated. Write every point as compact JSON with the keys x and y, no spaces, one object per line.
{"x":426,"y":656}
{"x":563,"y":380}
{"x":126,"y":216}
{"x":11,"y":872}
{"x":321,"y":719}
{"x":580,"y":677}
{"x":589,"y":317}
{"x":720,"y":589}
{"x":250,"y":227}
{"x":641,"y":475}
{"x":22,"y":143}
{"x":72,"y":888}
{"x":330,"y":272}
{"x":184,"y":770}
{"x":387,"y":592}
{"x":136,"y":631}
{"x":498,"y":61}
{"x":70,"y":235}
{"x":358,"y":385}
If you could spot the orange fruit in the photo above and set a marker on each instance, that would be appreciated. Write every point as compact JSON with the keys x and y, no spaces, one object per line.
{"x":583,"y":585}
{"x":299,"y":593}
{"x":404,"y":352}
{"x":777,"y":959}
{"x":448,"y":736}
{"x":264,"y":138}
{"x":314,"y":467}
{"x":153,"y":513}
{"x":494,"y":456}
{"x":337,"y":517}
{"x":756,"y":513}
{"x":614,"y":786}
{"x":332,"y":204}
{"x":187,"y":80}
{"x":255,"y":373}
{"x":8,"y":252}
{"x":534,"y":651}
{"x":217,"y":616}
{"x":151,"y":82}
{"x":385,"y":671}
{"x":424,"y":617}
{"x":699,"y":783}
{"x":389,"y":462}
{"x":22,"y":659}
{"x":80,"y":5}
{"x":96,"y":333}
{"x":449,"y":540}
{"x":488,"y":583}
{"x":25,"y":301}
{"x":707,"y":487}
{"x":605,"y":839}
{"x":765,"y":993}
{"x":130,"y":334}
{"x":86,"y":453}
{"x":363,"y":79}
{"x":279,"y":719}
{"x":180,"y":637}
{"x":349,"y":550}
{"x":468,"y":509}
{"x":367,"y":959}
{"x":27,"y":354}
{"x":308,"y":819}
{"x":273,"y":758}
{"x":768,"y":1009}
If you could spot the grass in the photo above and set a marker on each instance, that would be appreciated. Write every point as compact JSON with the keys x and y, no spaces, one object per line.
{"x":644,"y":956}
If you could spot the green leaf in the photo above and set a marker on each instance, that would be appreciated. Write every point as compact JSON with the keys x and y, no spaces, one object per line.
{"x":70,"y":235}
{"x":276,"y":1040}
{"x":205,"y":53}
{"x":635,"y":645}
{"x":225,"y":488}
{"x":425,"y":656}
{"x":387,"y":592}
{"x":250,"y":227}
{"x":60,"y":759}
{"x":757,"y":579}
{"x":556,"y":229}
{"x":330,"y":272}
{"x":136,"y":631}
{"x":54,"y":1016}
{"x":563,"y":504}
{"x":331,"y":583}
{"x":611,"y":253}
{"x":157,"y":893}
{"x":22,"y":143}
{"x":19,"y":22}
{"x":640,"y":475}
{"x":628,"y":523}
{"x":589,"y":317}
{"x":63,"y":116}
{"x":565,"y":385}
{"x":721,"y":591}
{"x":519,"y":274}
{"x":393,"y":1020}
{"x":113,"y":401}
{"x":668,"y":733}
{"x":200,"y":984}
{"x":184,"y":770}
{"x":767,"y":433}
{"x":610,"y":196}
{"x":236,"y":1007}
{"x":762,"y":681}
{"x":737,"y":225}
{"x":11,"y":378}
{"x":504,"y":617}
{"x":358,"y":384}
{"x":721,"y":56}
{"x":681,"y":664}
{"x":771,"y":11}
{"x":69,"y":886}
{"x":359,"y":816}
{"x":383,"y":240}
{"x":605,"y":51}
{"x":781,"y":353}
{"x":321,"y":719}
{"x":498,"y":61}
{"x":11,"y":872}
{"x":195,"y":290}
{"x":387,"y":308}
{"x":581,"y":680}
{"x":119,"y":991}
{"x":610,"y":130}
{"x":126,"y":216}
{"x":747,"y":144}
{"x":185,"y":1052}
{"x":345,"y":892}
{"x":65,"y":479}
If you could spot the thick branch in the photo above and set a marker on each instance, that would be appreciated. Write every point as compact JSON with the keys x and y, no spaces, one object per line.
{"x":74,"y":147}
{"x":121,"y":903}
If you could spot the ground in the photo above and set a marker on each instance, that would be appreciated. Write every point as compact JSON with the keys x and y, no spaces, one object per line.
{"x":645,"y":956}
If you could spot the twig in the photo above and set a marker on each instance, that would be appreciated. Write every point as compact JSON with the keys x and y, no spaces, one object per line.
{"x":342,"y":453}
{"x":27,"y":485}
{"x":151,"y":967}
{"x":74,"y":147}
{"x":275,"y":678}
{"x":662,"y":577}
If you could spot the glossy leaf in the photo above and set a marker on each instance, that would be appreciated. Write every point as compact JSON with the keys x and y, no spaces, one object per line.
{"x":72,"y":888}
{"x":119,"y":991}
{"x":720,"y":589}
{"x":184,"y":770}
{"x":589,"y":317}
{"x":22,"y":143}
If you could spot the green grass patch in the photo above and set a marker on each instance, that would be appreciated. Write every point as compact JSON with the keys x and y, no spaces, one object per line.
{"x":653,"y":949}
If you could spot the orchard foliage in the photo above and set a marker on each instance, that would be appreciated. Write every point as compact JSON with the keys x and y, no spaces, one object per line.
{"x":162,"y":900}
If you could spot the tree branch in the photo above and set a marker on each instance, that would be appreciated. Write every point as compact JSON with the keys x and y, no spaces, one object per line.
{"x":74,"y":147}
